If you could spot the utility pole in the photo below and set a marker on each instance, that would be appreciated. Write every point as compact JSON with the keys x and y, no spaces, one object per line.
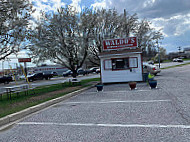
{"x":25,"y":68}
{"x":158,"y":52}
{"x":3,"y":67}
{"x":179,"y":48}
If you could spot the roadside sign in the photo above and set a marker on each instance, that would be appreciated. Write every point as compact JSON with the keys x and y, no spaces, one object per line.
{"x":24,"y":60}
{"x":123,"y":43}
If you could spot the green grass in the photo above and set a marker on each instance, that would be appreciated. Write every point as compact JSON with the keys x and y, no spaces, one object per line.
{"x":18,"y":103}
{"x":175,"y":66}
{"x":8,"y":109}
{"x":186,"y":59}
{"x":167,"y":61}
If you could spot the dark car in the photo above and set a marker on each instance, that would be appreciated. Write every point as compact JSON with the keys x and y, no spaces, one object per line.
{"x":54,"y":73}
{"x":35,"y":76}
{"x":179,"y":60}
{"x":81,"y":72}
{"x":67,"y":73}
{"x":88,"y":71}
{"x":6,"y":79}
{"x":39,"y":76}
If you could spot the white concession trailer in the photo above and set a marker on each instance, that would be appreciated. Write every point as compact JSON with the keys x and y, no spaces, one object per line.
{"x":123,"y":64}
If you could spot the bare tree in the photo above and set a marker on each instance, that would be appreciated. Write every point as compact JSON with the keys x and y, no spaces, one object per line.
{"x":127,"y":24}
{"x":68,"y":37}
{"x":62,"y":37}
{"x":108,"y":25}
{"x":14,"y":19}
{"x":162,"y":55}
{"x":147,"y":37}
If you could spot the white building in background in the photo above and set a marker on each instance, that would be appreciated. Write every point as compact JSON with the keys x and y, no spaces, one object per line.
{"x":187,"y":50}
{"x":50,"y":69}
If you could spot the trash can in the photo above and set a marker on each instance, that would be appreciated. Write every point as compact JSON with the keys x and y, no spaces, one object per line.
{"x":99,"y":87}
{"x":153,"y":83}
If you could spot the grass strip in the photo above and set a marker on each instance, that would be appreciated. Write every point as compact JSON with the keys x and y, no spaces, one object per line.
{"x":176,"y":66}
{"x":42,"y":94}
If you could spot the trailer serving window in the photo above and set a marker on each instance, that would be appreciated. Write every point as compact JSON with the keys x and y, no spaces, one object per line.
{"x":120,"y":64}
{"x":124,"y":63}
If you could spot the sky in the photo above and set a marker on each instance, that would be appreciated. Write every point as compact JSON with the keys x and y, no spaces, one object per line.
{"x":172,"y":16}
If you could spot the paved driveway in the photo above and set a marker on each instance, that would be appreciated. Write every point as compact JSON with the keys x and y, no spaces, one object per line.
{"x":115,"y":115}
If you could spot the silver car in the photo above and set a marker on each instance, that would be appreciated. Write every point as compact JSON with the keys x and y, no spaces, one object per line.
{"x":148,"y":68}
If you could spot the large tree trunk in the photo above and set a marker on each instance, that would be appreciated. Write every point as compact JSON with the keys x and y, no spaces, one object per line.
{"x":74,"y":73}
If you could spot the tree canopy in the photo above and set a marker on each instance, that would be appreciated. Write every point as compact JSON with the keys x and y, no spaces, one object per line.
{"x":109,"y":24}
{"x":62,"y":37}
{"x":14,"y":20}
{"x":68,"y":37}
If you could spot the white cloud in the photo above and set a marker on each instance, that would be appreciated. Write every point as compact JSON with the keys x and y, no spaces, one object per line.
{"x":46,"y":5}
{"x":76,"y":5}
{"x":148,"y":3}
{"x":173,"y":16}
{"x":173,"y":26}
{"x":99,"y":4}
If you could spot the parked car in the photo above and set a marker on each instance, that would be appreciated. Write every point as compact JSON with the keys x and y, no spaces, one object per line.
{"x":88,"y":71}
{"x":81,"y":72}
{"x":67,"y":73}
{"x":22,"y":77}
{"x":39,"y":76}
{"x":177,"y":60}
{"x":54,"y":73}
{"x":6,"y":79}
{"x":98,"y":70}
{"x":151,"y":69}
{"x":93,"y":69}
{"x":151,"y":62}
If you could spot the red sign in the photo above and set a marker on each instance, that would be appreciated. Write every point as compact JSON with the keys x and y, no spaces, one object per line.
{"x":24,"y":60}
{"x":114,"y":44}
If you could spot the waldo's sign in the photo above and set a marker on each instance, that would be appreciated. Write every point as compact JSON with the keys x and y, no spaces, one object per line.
{"x":114,"y":44}
{"x":24,"y":59}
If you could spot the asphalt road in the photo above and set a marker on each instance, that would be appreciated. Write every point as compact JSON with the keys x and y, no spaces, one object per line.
{"x":61,"y":79}
{"x":48,"y":82}
{"x":115,"y":115}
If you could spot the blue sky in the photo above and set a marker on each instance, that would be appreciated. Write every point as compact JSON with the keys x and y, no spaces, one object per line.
{"x":172,"y":16}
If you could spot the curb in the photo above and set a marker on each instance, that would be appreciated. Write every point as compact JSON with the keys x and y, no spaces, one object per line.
{"x":18,"y":115}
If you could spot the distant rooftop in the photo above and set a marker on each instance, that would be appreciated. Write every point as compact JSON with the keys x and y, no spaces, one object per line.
{"x":186,"y":49}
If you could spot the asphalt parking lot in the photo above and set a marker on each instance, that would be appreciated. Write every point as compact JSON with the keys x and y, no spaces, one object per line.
{"x":115,"y":115}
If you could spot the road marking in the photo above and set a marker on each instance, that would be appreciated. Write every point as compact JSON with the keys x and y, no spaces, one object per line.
{"x":108,"y":125}
{"x":106,"y":102}
{"x":136,"y":90}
